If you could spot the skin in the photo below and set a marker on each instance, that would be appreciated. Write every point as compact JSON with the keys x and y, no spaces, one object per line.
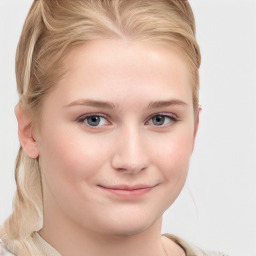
{"x":127,"y":147}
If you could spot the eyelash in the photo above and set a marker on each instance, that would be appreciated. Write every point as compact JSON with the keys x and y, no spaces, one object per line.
{"x":173,"y":119}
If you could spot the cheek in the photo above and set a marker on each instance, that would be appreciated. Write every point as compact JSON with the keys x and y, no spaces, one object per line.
{"x":69,"y":158}
{"x":70,"y":164}
{"x":173,"y":155}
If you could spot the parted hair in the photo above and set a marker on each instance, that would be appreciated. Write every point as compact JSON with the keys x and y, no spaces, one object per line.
{"x":52,"y":28}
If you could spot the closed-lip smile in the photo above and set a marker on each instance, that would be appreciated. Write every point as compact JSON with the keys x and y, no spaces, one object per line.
{"x":127,"y":191}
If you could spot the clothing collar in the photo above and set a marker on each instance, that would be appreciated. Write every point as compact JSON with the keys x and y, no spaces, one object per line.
{"x":44,"y":247}
{"x":189,"y":249}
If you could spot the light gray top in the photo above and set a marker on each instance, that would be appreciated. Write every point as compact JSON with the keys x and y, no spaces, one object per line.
{"x":47,"y":250}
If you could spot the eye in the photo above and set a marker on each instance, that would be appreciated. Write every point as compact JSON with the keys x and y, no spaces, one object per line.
{"x":93,"y":120}
{"x":161,"y":120}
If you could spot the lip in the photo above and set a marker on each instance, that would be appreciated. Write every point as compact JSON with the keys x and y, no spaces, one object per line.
{"x":128,"y":192}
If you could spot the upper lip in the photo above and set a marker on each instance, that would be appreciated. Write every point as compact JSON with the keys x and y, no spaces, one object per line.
{"x":127,"y":187}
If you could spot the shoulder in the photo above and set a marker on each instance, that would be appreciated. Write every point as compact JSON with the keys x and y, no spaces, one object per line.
{"x":4,"y":251}
{"x":192,"y":250}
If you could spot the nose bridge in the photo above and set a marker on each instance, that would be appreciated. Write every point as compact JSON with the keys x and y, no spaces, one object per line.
{"x":130,"y":153}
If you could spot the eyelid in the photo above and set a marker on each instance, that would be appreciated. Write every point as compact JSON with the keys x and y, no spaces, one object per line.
{"x":92,"y":114}
{"x":84,"y":116}
{"x":170,"y":115}
{"x":163,"y":114}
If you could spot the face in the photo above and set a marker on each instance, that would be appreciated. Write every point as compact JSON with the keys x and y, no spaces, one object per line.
{"x":116,"y":135}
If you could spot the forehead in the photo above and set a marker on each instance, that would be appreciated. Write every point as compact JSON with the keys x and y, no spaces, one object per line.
{"x":122,"y":69}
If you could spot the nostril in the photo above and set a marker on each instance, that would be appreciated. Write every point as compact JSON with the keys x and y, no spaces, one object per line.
{"x":129,"y":168}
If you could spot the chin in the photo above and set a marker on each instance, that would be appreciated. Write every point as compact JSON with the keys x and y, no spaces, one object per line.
{"x":125,"y":231}
{"x":129,"y":231}
{"x":128,"y":227}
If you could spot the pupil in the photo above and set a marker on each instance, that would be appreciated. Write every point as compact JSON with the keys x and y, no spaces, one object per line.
{"x":158,"y":120}
{"x":93,"y":120}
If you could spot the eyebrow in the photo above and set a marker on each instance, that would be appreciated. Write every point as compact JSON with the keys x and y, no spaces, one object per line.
{"x":91,"y":103}
{"x":166,"y":103}
{"x":109,"y":105}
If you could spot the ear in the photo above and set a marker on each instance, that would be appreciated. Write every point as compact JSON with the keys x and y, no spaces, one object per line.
{"x":25,"y":132}
{"x":196,"y":125}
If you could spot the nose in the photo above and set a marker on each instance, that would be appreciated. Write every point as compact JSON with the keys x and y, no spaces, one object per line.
{"x":130,"y":154}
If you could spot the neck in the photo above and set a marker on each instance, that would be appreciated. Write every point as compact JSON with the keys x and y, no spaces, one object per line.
{"x":74,"y":240}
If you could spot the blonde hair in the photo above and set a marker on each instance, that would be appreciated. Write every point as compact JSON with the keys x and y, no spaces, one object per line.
{"x":51,"y":29}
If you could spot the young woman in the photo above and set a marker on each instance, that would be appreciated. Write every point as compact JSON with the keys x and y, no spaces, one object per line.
{"x":108,"y":116}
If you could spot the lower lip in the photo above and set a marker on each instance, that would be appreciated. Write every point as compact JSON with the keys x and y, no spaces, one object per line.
{"x":128,"y":193}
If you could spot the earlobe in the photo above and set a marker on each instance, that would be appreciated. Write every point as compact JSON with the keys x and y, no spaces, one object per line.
{"x":196,"y":126}
{"x":25,"y":132}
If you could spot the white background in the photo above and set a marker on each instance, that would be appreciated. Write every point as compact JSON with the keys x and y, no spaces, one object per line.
{"x":217,"y":208}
